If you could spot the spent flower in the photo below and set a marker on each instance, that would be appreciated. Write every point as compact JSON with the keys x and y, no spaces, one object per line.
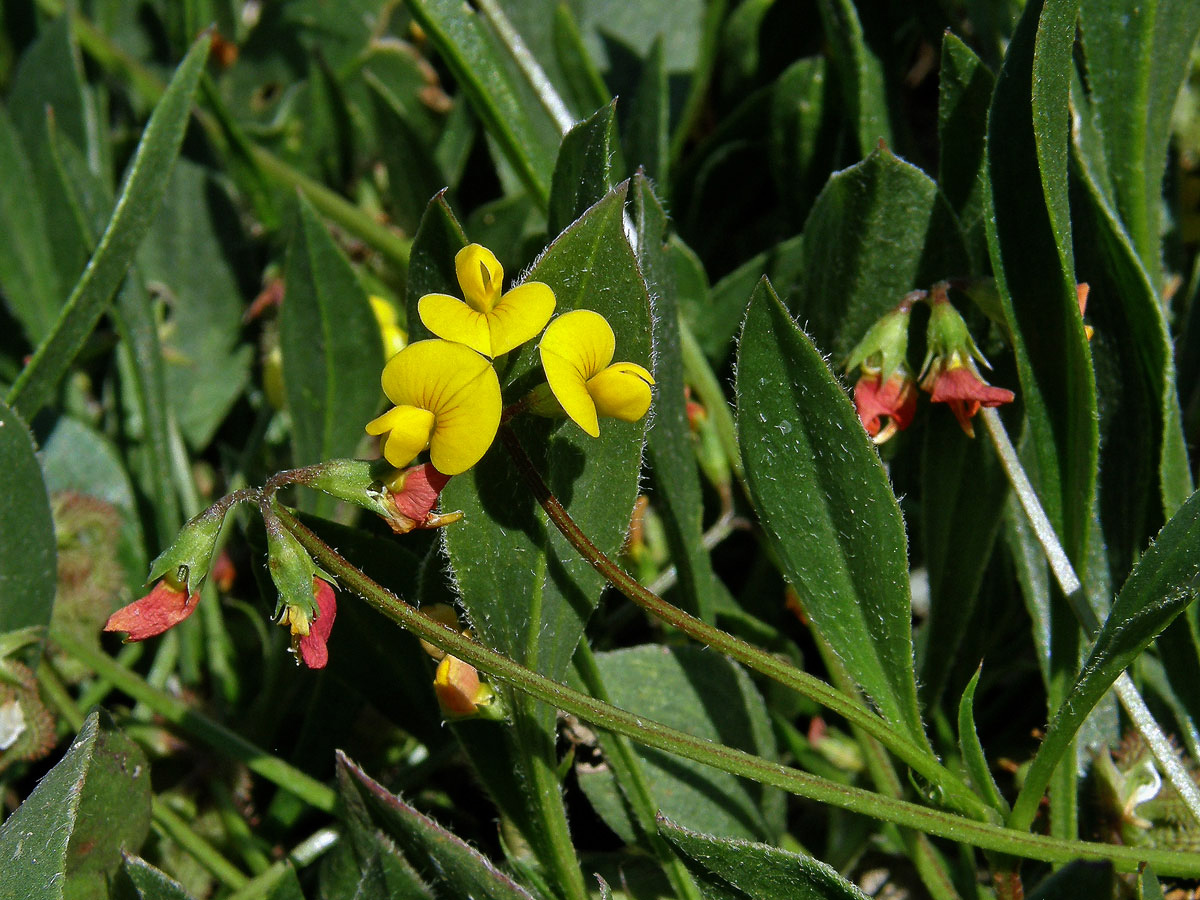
{"x":885,"y":387}
{"x":949,"y":374}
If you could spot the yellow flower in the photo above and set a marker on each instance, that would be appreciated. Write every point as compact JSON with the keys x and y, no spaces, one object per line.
{"x":447,"y":398}
{"x":390,"y":331}
{"x":576,"y":351}
{"x":488,"y":322}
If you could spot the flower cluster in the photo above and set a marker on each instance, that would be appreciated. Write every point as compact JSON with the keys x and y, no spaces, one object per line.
{"x":446,"y":401}
{"x":445,"y":391}
{"x":887,"y":389}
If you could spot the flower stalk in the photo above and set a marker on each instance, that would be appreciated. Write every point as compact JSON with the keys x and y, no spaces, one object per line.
{"x":737,"y":762}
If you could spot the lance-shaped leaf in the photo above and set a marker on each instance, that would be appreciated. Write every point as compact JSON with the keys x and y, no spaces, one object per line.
{"x":877,"y":231}
{"x":145,"y":181}
{"x":28,"y":572}
{"x":67,"y":838}
{"x":826,"y":506}
{"x":332,"y":354}
{"x":760,"y":870}
{"x":443,"y":857}
{"x":1164,"y":581}
{"x":583,"y":172}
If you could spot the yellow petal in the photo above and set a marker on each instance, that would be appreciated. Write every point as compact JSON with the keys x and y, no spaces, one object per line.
{"x":582,"y":338}
{"x":466,"y":424}
{"x":408,"y":430}
{"x":570,"y":390}
{"x":451,"y":319}
{"x":430,"y":373}
{"x":519,"y":316}
{"x":390,"y":331}
{"x":622,"y":391}
{"x":480,"y":276}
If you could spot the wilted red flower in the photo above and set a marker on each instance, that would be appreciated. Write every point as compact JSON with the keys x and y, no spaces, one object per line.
{"x":164,"y":607}
{"x":313,"y":651}
{"x":959,"y":386}
{"x":894,"y":400}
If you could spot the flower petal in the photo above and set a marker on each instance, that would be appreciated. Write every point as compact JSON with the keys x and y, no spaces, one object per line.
{"x":582,"y":338}
{"x":451,"y":319}
{"x":466,"y":424}
{"x":456,"y":684}
{"x":519,"y":316}
{"x":480,"y":276}
{"x":428,"y":374}
{"x":313,"y":651}
{"x":577,"y":346}
{"x":408,"y":430}
{"x":164,"y":607}
{"x":570,"y":390}
{"x":622,"y":391}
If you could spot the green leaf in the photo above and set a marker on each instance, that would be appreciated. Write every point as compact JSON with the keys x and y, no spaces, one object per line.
{"x":761,"y":871}
{"x":50,"y":76}
{"x":332,"y":355}
{"x":431,"y":265}
{"x":534,"y":610}
{"x":499,"y":93}
{"x":413,"y":174}
{"x":712,"y":698}
{"x":1138,"y":402}
{"x":1137,"y":58}
{"x":963,"y":493}
{"x":826,"y":506}
{"x":1164,"y":581}
{"x":645,"y":119}
{"x":148,"y":883}
{"x":877,"y":231}
{"x":28,"y":277}
{"x":972,"y":751}
{"x":191,"y":254}
{"x":677,"y":491}
{"x":1029,"y":239}
{"x":28,"y":571}
{"x":145,"y":183}
{"x":444,"y":857}
{"x":715,"y":319}
{"x":583,"y":172}
{"x":964,"y":94}
{"x":67,"y":838}
{"x":582,"y":81}
{"x":802,"y":135}
{"x":860,"y":74}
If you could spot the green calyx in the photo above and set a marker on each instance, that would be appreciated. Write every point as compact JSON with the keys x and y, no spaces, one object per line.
{"x":186,"y":562}
{"x":884,"y":348}
{"x":292,"y":569}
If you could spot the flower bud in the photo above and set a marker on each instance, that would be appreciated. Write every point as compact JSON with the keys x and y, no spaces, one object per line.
{"x":460,"y":693}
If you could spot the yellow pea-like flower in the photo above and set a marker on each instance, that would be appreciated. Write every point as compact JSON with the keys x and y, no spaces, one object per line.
{"x":488,"y":321}
{"x":447,"y":398}
{"x":576,"y":352}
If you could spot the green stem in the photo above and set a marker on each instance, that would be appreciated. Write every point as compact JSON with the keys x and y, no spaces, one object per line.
{"x":179,"y":831}
{"x":1044,"y":764}
{"x":654,"y":734}
{"x":303,"y":854}
{"x":627,"y":769}
{"x":199,"y":726}
{"x":956,"y":793}
{"x":699,"y":374}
